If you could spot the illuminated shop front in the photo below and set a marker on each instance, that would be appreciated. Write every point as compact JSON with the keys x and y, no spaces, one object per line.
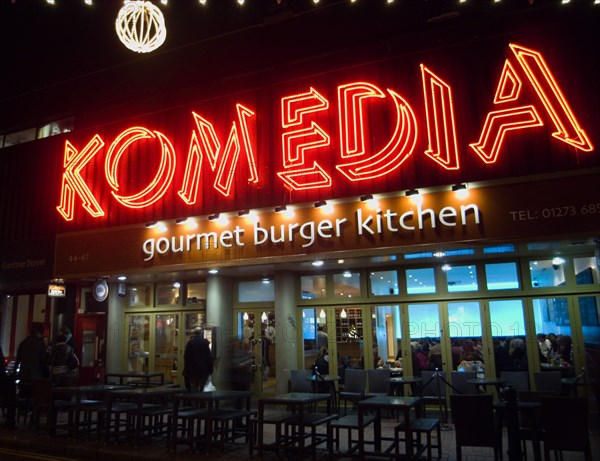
{"x":425,"y":197}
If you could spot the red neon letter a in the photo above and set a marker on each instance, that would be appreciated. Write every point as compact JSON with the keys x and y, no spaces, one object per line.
{"x":499,"y":122}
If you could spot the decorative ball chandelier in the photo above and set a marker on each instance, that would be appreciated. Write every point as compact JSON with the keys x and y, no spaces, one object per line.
{"x":141,"y":26}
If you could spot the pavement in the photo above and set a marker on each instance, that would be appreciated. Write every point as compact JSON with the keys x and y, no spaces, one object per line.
{"x":24,"y":444}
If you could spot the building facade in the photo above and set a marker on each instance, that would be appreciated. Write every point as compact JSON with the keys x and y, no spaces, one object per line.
{"x":410,"y":189}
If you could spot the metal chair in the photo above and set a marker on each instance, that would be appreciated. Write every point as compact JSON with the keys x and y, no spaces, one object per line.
{"x":519,"y":380}
{"x":354,"y":387}
{"x":548,"y":381}
{"x":433,"y":391}
{"x":378,"y":382}
{"x":300,"y":381}
{"x":570,"y":435}
{"x":475,"y":424}
{"x":460,"y":384}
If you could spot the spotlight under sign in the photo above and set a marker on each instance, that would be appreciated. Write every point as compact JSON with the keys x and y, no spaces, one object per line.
{"x":57,"y":290}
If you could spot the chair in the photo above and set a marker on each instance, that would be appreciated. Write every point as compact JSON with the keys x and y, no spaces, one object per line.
{"x":530,"y":421}
{"x":519,"y":380}
{"x":460,"y":384}
{"x":300,"y":381}
{"x":433,"y":391}
{"x":44,"y":403}
{"x":418,"y":427}
{"x":378,"y":381}
{"x":548,"y":381}
{"x":475,"y":424}
{"x":354,"y":387}
{"x":570,"y":435}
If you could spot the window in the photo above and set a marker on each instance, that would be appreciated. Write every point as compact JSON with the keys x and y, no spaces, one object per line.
{"x":502,"y":276}
{"x":586,"y":271}
{"x":196,"y":293}
{"x":384,"y":283}
{"x":168,"y":294}
{"x":346,"y":285}
{"x":313,"y":286}
{"x":256,"y":291}
{"x":19,"y":137}
{"x":140,"y":295}
{"x":420,"y":281}
{"x":547,"y":273}
{"x":461,"y":278}
{"x":56,"y":127}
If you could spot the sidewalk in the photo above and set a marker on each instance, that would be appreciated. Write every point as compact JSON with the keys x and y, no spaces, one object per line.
{"x":59,"y":447}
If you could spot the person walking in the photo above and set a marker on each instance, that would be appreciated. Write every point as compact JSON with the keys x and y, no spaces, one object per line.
{"x":197,"y":361}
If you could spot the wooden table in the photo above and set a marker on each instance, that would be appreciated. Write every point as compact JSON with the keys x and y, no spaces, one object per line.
{"x":378,"y":404}
{"x":212,"y":400}
{"x":140,"y":396}
{"x":146,"y":378}
{"x":298,"y":403}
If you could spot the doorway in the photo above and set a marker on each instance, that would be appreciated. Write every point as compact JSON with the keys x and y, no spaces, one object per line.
{"x":255,"y":328}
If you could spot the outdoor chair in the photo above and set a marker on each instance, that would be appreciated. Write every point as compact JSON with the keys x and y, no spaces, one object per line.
{"x":566,"y":426}
{"x":378,"y":382}
{"x":519,"y":380}
{"x":475,"y":424}
{"x":354,"y":387}
{"x":548,"y":381}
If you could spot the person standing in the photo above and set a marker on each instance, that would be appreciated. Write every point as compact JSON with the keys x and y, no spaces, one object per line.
{"x":197,"y":361}
{"x":8,"y":394}
{"x":63,"y":360}
{"x":66,"y":331}
{"x":31,"y":362}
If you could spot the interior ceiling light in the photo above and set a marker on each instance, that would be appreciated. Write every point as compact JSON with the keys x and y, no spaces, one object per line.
{"x":322,"y":314}
{"x":439,"y":254}
{"x":343,"y":314}
{"x":446,"y":267}
{"x":213,"y":271}
{"x":140,"y":26}
{"x":347,"y":274}
{"x":318,"y":263}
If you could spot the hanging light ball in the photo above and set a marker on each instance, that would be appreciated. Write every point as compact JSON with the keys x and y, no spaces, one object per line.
{"x":141,"y":26}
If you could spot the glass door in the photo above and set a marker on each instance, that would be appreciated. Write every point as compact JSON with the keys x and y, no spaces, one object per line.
{"x":255,"y":331}
{"x":166,"y":345}
{"x":138,"y":342}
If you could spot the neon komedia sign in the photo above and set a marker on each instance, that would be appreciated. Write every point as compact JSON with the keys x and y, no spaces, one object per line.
{"x":301,"y":134}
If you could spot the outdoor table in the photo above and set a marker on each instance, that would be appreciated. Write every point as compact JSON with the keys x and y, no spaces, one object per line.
{"x":528,"y":410}
{"x":484,"y":382}
{"x":299,"y":403}
{"x":212,"y":400}
{"x":380,"y":403}
{"x":330,"y":381}
{"x":140,"y":397}
{"x":79,"y":394}
{"x":145,"y":377}
{"x":397,"y":383}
